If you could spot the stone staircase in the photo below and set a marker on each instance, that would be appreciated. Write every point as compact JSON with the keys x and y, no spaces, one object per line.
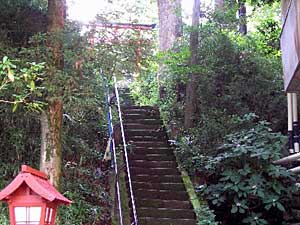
{"x":160,"y":195}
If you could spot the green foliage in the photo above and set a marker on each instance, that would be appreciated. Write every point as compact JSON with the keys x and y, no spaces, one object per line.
{"x":84,"y":120}
{"x":193,"y":146}
{"x":20,"y":144}
{"x":89,"y":192}
{"x":266,"y":21}
{"x":18,"y":83}
{"x":4,"y":214}
{"x":21,"y":4}
{"x":144,"y":90}
{"x":235,"y":78}
{"x":243,"y":179}
{"x":270,"y":31}
{"x":20,"y":141}
{"x":259,"y":3}
{"x":20,"y":19}
{"x":82,"y":90}
{"x":206,"y":216}
{"x":133,"y":11}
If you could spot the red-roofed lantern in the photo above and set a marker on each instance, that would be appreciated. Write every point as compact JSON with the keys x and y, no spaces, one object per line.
{"x":32,"y":200}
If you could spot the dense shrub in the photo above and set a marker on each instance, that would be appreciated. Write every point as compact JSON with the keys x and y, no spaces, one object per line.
{"x":243,"y":184}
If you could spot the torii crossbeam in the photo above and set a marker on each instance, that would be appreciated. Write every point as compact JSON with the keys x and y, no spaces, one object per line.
{"x":126,"y":26}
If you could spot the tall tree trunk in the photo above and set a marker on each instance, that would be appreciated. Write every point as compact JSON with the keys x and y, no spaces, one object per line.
{"x":51,"y":147}
{"x":51,"y":118}
{"x":170,"y":28}
{"x":170,"y":23}
{"x":242,"y":17}
{"x":191,"y":87}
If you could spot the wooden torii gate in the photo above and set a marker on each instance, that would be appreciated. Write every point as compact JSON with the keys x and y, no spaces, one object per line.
{"x":116,"y":27}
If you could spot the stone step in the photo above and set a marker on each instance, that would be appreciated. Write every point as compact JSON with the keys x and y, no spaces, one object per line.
{"x":141,"y":115}
{"x":153,"y":164}
{"x":155,"y":148}
{"x":157,"y":178}
{"x":142,"y":126}
{"x":166,"y":213}
{"x":163,"y":146}
{"x":140,"y":111}
{"x":165,"y":221}
{"x":135,"y":116}
{"x":158,"y":203}
{"x":150,"y":150}
{"x":144,"y":121}
{"x":152,"y":144}
{"x":159,"y":186}
{"x":143,"y":133}
{"x":162,"y":194}
{"x":162,"y":138}
{"x":137,"y":107}
{"x":152,"y":157}
{"x":154,"y":171}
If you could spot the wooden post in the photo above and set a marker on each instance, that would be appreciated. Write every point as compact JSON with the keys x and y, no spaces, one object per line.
{"x":139,"y":54}
{"x":290,"y":123}
{"x":295,"y":122}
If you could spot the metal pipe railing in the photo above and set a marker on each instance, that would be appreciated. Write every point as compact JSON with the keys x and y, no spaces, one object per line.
{"x":135,"y":218}
{"x":113,"y":149}
{"x":288,"y":159}
{"x":116,"y":168}
{"x":295,"y":169}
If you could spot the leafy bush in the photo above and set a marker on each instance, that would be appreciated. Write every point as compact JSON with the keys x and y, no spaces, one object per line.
{"x":206,"y":216}
{"x":243,"y":184}
{"x":144,"y":91}
{"x":18,"y":83}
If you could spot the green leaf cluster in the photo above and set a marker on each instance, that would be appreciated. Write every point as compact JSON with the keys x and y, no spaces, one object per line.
{"x":243,"y":179}
{"x":18,"y":83}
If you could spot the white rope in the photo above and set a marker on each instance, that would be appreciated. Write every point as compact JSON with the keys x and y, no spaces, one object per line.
{"x":126,"y":154}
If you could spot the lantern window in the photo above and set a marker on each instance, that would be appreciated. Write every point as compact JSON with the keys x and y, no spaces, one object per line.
{"x":28,"y":215}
